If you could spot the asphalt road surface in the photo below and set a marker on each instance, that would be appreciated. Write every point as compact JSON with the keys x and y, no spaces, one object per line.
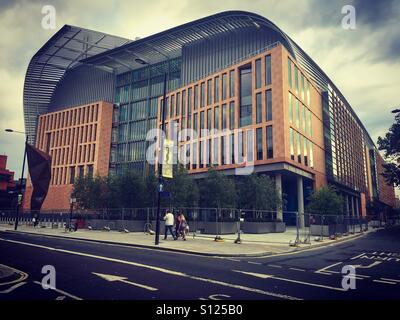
{"x":90,"y":271}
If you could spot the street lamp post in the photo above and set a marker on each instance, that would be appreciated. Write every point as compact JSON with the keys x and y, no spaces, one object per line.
{"x":20,"y":193}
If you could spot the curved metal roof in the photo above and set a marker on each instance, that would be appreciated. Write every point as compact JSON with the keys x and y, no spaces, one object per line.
{"x":47,"y":67}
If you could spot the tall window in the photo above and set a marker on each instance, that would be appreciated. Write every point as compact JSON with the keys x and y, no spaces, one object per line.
{"x":289,"y":64}
{"x":209,"y":152}
{"x":216,"y":89}
{"x":245,"y":96}
{"x":305,"y":151}
{"x":232,"y":115}
{"x":195,"y":96}
{"x":258,"y":73}
{"x":232,"y":83}
{"x":302,"y":86}
{"x":259,"y":147}
{"x":268,"y":73}
{"x":297,"y":114}
{"x":303,"y":117}
{"x":216,"y":150}
{"x":223,"y":151}
{"x":190,"y":101}
{"x":183,"y":103}
{"x":290,"y":108}
{"x":268,"y":105}
{"x":201,"y":154}
{"x":90,"y":171}
{"x":172,"y":107}
{"x":224,"y":77}
{"x":216,"y":118}
{"x":202,"y":94}
{"x":195,"y":123}
{"x":232,"y":149}
{"x":72,"y":175}
{"x":311,"y":154}
{"x":258,"y":108}
{"x":224,"y":122}
{"x":201,"y":123}
{"x":195,"y":160}
{"x":309,"y":123}
{"x":270,"y":148}
{"x":291,"y":144}
{"x":209,"y":88}
{"x":296,"y":79}
{"x":308,"y":94}
{"x":209,"y":120}
{"x":298,"y":142}
{"x":178,"y":103}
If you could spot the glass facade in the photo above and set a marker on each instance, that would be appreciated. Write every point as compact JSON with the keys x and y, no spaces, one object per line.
{"x":232,"y":115}
{"x":245,"y":116}
{"x":232,"y":83}
{"x":259,"y":144}
{"x":268,"y":105}
{"x":258,"y":108}
{"x":268,"y":70}
{"x":224,"y":85}
{"x":258,"y":73}
{"x":270,"y":148}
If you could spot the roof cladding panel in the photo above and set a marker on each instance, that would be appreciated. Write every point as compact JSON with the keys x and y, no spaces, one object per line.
{"x":48,"y":66}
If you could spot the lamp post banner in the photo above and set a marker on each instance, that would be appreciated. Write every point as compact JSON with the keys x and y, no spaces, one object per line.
{"x":39,"y":166}
{"x":168,"y":157}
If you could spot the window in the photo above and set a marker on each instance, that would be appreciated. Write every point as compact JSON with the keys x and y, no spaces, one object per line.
{"x":232,"y":151}
{"x":224,"y":77}
{"x":250,"y":145}
{"x":258,"y":73}
{"x":290,"y":109}
{"x":81,"y":171}
{"x":195,"y":122}
{"x":201,"y":123}
{"x":258,"y":108}
{"x":311,"y":154}
{"x":202,"y":96}
{"x":268,"y":105}
{"x":224,"y":122}
{"x":259,"y":148}
{"x":245,"y":96}
{"x":215,"y":155}
{"x":209,"y":88}
{"x":178,"y":103}
{"x":290,"y":73}
{"x":90,"y":171}
{"x":270,"y":148}
{"x":216,"y":118}
{"x":303,"y":117}
{"x":194,"y":161}
{"x":72,"y":175}
{"x":232,"y":83}
{"x":308,"y":94}
{"x":195,"y":96}
{"x":297,"y":114}
{"x":183,"y":103}
{"x":232,"y":115}
{"x":291,"y":144}
{"x":298,"y":142}
{"x":190,"y":101}
{"x":223,"y":151}
{"x":208,"y":152}
{"x":268,"y":73}
{"x":201,"y":154}
{"x":172,"y":108}
{"x":309,"y":123}
{"x":296,"y":79}
{"x":302,"y":86}
{"x":216,"y":89}
{"x":305,"y":151}
{"x":209,"y":120}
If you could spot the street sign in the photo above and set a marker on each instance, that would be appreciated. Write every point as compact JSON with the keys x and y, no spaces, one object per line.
{"x":168,"y":156}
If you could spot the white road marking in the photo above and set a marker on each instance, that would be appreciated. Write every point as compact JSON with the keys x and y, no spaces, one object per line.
{"x":113,"y":278}
{"x":358,"y":256}
{"x":22,"y":275}
{"x":270,"y":276}
{"x":274,"y":266}
{"x":15,"y":286}
{"x":367,"y":267}
{"x":386,"y":282}
{"x":387,"y":279}
{"x":297,"y":269}
{"x":325,"y":270}
{"x":231,"y":259}
{"x":257,"y":263}
{"x":171,"y":272}
{"x":60,"y":291}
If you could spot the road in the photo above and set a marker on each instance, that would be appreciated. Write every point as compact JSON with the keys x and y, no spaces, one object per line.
{"x":87,"y":270}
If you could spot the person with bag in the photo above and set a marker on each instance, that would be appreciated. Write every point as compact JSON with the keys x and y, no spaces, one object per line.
{"x":169,"y":223}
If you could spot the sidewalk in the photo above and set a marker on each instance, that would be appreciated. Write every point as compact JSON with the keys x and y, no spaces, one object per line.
{"x":252,"y":244}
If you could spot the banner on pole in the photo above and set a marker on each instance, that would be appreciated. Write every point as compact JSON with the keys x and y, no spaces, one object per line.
{"x":168,"y":156}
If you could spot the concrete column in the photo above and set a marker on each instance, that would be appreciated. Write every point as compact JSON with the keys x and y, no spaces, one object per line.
{"x":300,"y":200}
{"x":278,"y":184}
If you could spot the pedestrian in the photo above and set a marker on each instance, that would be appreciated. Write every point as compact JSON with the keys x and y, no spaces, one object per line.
{"x":169,"y":223}
{"x":34,"y":221}
{"x":183,"y":226}
{"x":178,"y":225}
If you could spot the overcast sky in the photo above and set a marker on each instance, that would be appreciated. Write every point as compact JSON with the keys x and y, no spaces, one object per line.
{"x":364,"y":63}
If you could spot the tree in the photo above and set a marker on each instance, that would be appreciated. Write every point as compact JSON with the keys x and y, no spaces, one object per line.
{"x":390,"y":144}
{"x":183,"y":188}
{"x":325,"y":201}
{"x":257,"y":192}
{"x":217,"y":190}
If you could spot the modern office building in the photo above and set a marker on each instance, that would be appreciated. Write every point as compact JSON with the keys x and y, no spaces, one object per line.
{"x":254,"y":99}
{"x":7,"y":185}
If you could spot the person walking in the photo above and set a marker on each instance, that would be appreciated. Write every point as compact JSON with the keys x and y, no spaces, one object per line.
{"x":182,"y":225}
{"x":169,"y":223}
{"x":178,"y":225}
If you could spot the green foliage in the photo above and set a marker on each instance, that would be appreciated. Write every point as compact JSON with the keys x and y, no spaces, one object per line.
{"x":325,"y":201}
{"x":390,"y":144}
{"x":217,"y":190}
{"x":257,"y":192}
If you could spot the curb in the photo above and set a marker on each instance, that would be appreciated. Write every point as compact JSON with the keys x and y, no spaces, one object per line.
{"x":206,"y":254}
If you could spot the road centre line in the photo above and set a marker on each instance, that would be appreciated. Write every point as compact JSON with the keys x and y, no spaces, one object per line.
{"x":387,"y":279}
{"x":386,"y":282}
{"x":167,"y":271}
{"x":274,"y":266}
{"x":297,"y":269}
